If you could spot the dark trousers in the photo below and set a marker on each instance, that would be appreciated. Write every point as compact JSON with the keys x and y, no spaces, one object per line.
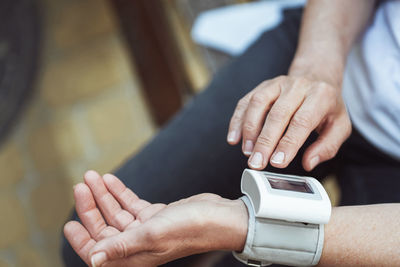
{"x":190,"y":155}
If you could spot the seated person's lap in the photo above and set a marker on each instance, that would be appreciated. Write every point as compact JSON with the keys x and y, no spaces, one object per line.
{"x":190,"y":155}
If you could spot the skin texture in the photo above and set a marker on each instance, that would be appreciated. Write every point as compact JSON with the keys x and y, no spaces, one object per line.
{"x":363,"y":236}
{"x":275,"y":119}
{"x":123,"y":230}
{"x":119,"y":229}
{"x":134,"y":232}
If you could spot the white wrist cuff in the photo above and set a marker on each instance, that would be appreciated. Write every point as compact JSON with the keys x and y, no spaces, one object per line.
{"x":277,"y":241}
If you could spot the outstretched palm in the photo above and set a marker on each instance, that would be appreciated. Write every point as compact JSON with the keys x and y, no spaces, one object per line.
{"x":128,"y":231}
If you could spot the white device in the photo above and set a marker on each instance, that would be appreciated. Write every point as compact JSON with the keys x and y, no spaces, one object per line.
{"x":286,"y":197}
{"x":287,"y":214}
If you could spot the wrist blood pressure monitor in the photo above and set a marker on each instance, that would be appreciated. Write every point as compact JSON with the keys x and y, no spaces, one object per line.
{"x":287,"y":214}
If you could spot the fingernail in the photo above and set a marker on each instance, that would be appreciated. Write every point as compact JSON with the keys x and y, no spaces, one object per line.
{"x":314,"y":161}
{"x":256,"y":160}
{"x":232,"y":136}
{"x":278,"y":157}
{"x":248,"y":147}
{"x":98,"y":259}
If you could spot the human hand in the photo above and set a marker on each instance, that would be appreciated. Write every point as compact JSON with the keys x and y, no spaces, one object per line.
{"x":276,"y":118}
{"x":119,"y":229}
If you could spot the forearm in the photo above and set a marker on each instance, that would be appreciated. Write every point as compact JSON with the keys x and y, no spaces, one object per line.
{"x":363,"y":236}
{"x":328,"y":30}
{"x":275,"y":118}
{"x":157,"y":233}
{"x":355,"y":236}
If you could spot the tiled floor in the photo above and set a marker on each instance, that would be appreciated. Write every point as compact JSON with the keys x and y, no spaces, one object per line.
{"x":87,"y":112}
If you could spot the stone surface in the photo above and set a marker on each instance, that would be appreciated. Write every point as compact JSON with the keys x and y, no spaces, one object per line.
{"x":12,"y":170}
{"x":87,"y":112}
{"x":142,"y":116}
{"x":53,"y":143}
{"x":110,"y":161}
{"x":90,"y":20}
{"x":86,"y":25}
{"x":29,"y":256}
{"x":67,"y":138}
{"x":42,"y":149}
{"x":115,"y":120}
{"x":13,"y":225}
{"x":83,"y":74}
{"x":4,"y":263}
{"x":76,"y":171}
{"x":52,"y":203}
{"x":53,"y":243}
{"x":35,"y":113}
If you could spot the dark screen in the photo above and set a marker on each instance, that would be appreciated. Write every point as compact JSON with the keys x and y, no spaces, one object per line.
{"x":290,"y":185}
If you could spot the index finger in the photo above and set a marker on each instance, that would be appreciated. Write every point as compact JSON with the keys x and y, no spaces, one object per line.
{"x":80,"y":239}
{"x":275,"y":124}
{"x":235,"y":124}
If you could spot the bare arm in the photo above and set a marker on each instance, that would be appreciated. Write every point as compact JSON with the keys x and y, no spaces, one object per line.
{"x":363,"y":236}
{"x":328,"y":30}
{"x":124,"y":230}
{"x":275,"y":118}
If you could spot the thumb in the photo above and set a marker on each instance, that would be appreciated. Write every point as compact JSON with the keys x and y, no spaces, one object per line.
{"x":328,"y":143}
{"x":118,"y":246}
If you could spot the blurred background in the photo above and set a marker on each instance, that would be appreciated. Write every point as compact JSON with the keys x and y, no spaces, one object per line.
{"x":84,"y":84}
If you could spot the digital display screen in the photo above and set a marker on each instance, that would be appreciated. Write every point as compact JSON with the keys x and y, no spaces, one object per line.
{"x":290,"y":185}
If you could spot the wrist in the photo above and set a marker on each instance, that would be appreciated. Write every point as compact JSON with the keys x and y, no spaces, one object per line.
{"x":329,"y":70}
{"x":227,"y":227}
{"x":236,"y":225}
{"x":240,"y":225}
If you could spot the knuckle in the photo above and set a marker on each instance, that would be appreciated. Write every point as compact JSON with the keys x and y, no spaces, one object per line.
{"x":301,"y":81}
{"x":280,"y":78}
{"x":99,"y":229}
{"x":258,"y":99}
{"x":242,"y":102}
{"x":152,"y":235}
{"x":106,"y":232}
{"x":289,"y":140}
{"x":330,"y":151}
{"x":265,"y":141}
{"x":346,"y":127}
{"x":236,"y":119}
{"x":302,"y":121}
{"x":277,"y":114}
{"x":265,"y":83}
{"x":249,"y":127}
{"x":120,"y":248}
{"x":326,"y":91}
